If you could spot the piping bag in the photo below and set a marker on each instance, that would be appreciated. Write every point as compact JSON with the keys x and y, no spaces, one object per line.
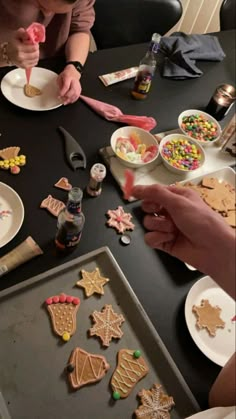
{"x":112,"y":113}
{"x":36,"y":34}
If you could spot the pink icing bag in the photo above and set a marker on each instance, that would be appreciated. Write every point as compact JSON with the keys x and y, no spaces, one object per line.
{"x":112,"y":113}
{"x":36,"y":34}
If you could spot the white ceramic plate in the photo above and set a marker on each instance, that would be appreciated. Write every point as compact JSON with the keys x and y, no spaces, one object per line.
{"x":11,"y":213}
{"x":220,"y":347}
{"x":227,"y":174}
{"x":13,"y":83}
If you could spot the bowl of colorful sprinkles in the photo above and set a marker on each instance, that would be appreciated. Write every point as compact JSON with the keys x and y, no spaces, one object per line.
{"x":134,"y":147}
{"x":181,"y":154}
{"x":200,"y":126}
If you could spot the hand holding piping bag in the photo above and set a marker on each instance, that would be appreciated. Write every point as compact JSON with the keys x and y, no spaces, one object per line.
{"x":36,"y":34}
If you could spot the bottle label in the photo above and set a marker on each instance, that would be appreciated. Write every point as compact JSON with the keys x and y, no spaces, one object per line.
{"x":74,"y":207}
{"x":68,"y":240}
{"x":143,"y":82}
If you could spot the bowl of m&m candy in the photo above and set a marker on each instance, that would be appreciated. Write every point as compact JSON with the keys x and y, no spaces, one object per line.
{"x":200,"y":126}
{"x":180,"y":154}
{"x":134,"y":147}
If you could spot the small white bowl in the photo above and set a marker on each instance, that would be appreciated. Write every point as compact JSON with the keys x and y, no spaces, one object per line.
{"x":206,"y":115}
{"x":145,"y":138}
{"x":177,"y":170}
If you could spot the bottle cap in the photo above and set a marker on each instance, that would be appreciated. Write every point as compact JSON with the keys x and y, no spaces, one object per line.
{"x":125,"y":239}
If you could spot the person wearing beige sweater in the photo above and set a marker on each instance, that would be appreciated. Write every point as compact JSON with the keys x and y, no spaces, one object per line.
{"x":67,"y":24}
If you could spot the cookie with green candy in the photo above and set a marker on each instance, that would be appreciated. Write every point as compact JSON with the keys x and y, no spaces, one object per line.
{"x":131,"y":368}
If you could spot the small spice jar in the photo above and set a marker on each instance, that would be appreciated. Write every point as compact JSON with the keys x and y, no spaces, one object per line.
{"x":97,"y":174}
{"x":221,"y":101}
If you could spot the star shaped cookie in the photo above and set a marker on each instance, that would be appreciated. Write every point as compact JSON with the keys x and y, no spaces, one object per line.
{"x":120,"y":220}
{"x":92,"y":282}
{"x":154,"y":404}
{"x":208,"y":317}
{"x":107,"y":325}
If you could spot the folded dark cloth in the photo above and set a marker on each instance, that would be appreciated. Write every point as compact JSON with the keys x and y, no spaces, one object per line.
{"x":181,"y":52}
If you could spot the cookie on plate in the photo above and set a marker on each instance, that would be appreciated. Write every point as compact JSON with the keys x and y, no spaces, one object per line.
{"x":208,"y":317}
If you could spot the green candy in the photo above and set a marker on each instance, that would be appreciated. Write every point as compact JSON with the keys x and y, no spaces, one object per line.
{"x":137,"y":353}
{"x":116,"y":395}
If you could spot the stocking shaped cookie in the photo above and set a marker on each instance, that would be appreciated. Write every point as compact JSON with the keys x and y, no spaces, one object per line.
{"x":131,"y":368}
{"x":85,"y":368}
{"x":63,"y":309}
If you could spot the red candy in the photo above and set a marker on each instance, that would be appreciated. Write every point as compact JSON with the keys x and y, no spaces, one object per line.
{"x":69,"y":299}
{"x":49,"y":301}
{"x":76,"y":301}
{"x":129,"y":183}
{"x":55,"y":299}
{"x":62,"y":298}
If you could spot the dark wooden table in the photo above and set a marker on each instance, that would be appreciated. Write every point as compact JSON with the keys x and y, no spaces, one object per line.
{"x":160,"y":281}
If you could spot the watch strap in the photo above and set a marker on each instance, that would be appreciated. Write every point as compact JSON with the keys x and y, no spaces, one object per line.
{"x":79,"y":67}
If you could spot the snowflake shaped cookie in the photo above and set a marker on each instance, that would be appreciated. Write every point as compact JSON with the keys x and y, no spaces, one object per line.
{"x":208,"y":317}
{"x":120,"y":220}
{"x":154,"y":404}
{"x":107,"y":324}
{"x":92,"y":282}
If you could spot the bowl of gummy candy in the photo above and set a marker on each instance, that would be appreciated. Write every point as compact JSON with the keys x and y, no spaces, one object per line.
{"x":181,"y":154}
{"x":200,"y":126}
{"x":134,"y":147}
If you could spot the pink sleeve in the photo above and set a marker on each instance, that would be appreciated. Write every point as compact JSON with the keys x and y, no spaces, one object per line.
{"x":83,"y":16}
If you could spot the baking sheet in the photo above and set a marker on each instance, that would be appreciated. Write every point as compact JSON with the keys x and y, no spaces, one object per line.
{"x":33,"y":359}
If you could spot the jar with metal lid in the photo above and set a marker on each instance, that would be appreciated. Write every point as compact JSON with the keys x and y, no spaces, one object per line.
{"x":221,"y":101}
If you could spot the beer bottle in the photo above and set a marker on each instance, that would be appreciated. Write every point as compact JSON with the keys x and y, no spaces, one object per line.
{"x":70,"y":222}
{"x":147,"y":67}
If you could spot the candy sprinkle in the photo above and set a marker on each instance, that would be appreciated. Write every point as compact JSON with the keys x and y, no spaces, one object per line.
{"x":199,"y":127}
{"x":182,"y":154}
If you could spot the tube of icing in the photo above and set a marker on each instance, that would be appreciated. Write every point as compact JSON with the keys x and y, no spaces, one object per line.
{"x":118,"y":76}
{"x":27,"y":250}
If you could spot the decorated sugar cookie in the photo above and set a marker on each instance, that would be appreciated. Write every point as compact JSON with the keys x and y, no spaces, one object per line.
{"x":63,"y":309}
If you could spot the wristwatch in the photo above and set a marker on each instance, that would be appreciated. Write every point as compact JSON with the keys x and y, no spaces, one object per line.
{"x":79,"y":67}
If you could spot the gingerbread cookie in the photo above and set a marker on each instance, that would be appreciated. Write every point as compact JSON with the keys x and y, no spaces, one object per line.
{"x":63,"y":309}
{"x":131,"y":368}
{"x":92,"y":282}
{"x":31,"y":91}
{"x":231,"y":218}
{"x":54,"y":206}
{"x":208,"y":317}
{"x":63,"y":183}
{"x":107,"y":325}
{"x":154,"y":404}
{"x":85,"y":368}
{"x":120,"y":220}
{"x":219,"y":195}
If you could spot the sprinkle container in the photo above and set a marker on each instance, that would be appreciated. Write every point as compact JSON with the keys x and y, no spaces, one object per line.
{"x":180,"y":154}
{"x":200,"y":126}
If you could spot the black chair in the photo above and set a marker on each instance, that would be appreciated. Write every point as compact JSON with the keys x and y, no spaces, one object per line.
{"x":126,"y":22}
{"x":227,"y":15}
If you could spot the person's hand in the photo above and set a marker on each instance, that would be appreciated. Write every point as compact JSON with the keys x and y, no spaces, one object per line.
{"x":185,"y":226}
{"x":20,"y":52}
{"x":69,"y":85}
